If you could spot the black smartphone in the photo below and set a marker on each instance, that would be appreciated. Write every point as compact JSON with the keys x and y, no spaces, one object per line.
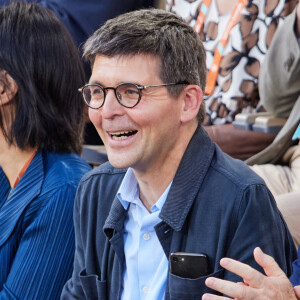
{"x":189,"y":265}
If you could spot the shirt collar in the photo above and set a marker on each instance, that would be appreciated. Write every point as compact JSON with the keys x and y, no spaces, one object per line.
{"x":129,"y":189}
{"x":162,"y":199}
{"x":129,"y":192}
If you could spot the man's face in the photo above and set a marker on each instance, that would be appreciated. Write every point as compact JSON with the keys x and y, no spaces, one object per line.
{"x":143,"y":136}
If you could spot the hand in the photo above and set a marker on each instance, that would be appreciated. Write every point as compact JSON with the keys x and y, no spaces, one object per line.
{"x":274,"y":286}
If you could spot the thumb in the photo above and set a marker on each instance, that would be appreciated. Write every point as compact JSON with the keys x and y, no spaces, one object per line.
{"x":268,"y":263}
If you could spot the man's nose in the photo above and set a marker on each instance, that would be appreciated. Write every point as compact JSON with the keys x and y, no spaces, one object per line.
{"x":111,"y":106}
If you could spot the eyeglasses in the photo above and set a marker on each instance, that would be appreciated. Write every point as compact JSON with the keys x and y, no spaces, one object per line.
{"x":127,"y":94}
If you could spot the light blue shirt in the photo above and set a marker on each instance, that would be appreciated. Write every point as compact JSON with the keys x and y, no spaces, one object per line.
{"x":146,"y":265}
{"x":296,"y":133}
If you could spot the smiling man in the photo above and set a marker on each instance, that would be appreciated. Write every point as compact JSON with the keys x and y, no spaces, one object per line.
{"x":167,"y":187}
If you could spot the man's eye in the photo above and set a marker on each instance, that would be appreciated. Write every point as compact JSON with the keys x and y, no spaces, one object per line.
{"x":131,"y":92}
{"x":96,"y":91}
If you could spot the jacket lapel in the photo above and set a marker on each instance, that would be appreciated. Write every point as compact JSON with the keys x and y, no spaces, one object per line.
{"x":27,"y":189}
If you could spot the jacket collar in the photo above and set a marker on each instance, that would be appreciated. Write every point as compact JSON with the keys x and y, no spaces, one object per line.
{"x":188,"y":179}
{"x":115,"y":219}
{"x":27,"y":189}
{"x":186,"y":184}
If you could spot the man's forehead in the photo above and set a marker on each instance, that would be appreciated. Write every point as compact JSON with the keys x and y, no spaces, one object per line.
{"x":146,"y":58}
{"x":133,"y":67}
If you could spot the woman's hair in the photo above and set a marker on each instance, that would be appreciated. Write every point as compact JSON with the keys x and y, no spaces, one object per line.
{"x":38,"y":52}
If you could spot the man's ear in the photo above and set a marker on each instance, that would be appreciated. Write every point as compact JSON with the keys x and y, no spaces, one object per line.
{"x":8,"y":88}
{"x":192,"y":99}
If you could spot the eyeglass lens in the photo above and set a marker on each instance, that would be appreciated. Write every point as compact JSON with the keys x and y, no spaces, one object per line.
{"x":93,"y":96}
{"x":127,"y":94}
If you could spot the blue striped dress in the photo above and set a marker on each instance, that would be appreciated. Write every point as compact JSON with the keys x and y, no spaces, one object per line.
{"x":36,"y":227}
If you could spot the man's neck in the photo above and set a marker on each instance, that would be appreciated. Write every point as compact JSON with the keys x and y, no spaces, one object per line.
{"x":154,"y":181}
{"x":12,"y":159}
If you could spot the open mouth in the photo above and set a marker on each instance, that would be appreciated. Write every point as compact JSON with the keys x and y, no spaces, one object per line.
{"x":122,"y":135}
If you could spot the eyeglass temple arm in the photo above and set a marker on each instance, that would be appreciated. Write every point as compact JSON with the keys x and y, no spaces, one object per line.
{"x":163,"y":84}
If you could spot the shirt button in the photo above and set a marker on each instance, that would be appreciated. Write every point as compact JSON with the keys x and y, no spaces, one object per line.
{"x":146,"y":236}
{"x":146,"y":289}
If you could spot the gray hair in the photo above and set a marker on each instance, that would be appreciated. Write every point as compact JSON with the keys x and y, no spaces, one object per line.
{"x":159,"y":33}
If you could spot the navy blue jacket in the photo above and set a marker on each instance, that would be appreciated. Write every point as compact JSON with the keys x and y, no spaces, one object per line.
{"x":216,"y":205}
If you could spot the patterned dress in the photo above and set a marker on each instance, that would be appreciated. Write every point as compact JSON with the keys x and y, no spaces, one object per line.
{"x":236,"y":89}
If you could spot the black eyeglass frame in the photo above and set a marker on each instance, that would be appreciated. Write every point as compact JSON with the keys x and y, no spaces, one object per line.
{"x":139,"y":88}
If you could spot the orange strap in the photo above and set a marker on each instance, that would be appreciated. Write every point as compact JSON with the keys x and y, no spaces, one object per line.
{"x":202,"y":14}
{"x":22,"y":172}
{"x":214,"y":70}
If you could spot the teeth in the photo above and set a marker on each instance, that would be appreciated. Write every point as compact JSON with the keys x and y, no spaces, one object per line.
{"x":118,"y":138}
{"x":121,"y":135}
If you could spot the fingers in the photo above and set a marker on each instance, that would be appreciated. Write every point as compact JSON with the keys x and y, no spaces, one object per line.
{"x":213,"y":297}
{"x":276,"y":285}
{"x":250,"y":276}
{"x":229,"y":288}
{"x":268,"y":263}
{"x":297,"y":291}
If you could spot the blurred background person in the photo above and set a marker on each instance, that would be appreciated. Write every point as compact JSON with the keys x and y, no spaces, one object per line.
{"x":279,"y":81}
{"x":236,"y":36}
{"x":42,"y":122}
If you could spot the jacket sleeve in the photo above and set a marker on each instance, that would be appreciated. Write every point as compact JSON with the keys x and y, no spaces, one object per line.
{"x":279,"y":85}
{"x":73,"y":288}
{"x":258,"y":222}
{"x":43,"y":259}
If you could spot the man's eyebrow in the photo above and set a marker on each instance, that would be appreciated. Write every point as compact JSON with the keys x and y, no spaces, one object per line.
{"x":95,"y":82}
{"x":121,"y":82}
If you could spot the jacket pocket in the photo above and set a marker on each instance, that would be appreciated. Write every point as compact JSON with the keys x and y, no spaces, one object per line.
{"x":93,"y":288}
{"x":190,"y":289}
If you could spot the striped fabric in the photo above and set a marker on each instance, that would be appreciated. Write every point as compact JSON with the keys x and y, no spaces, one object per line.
{"x":36,"y":227}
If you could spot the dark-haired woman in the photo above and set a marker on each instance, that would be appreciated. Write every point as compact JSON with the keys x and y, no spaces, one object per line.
{"x":41,"y":121}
